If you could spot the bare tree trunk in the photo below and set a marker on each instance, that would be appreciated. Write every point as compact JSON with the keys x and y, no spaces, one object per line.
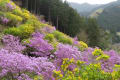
{"x":27,"y":4}
{"x":49,"y":16}
{"x":57,"y":22}
{"x":35,"y":7}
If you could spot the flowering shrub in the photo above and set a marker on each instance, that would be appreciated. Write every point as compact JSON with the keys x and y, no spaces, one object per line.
{"x":12,"y":44}
{"x":17,"y":66}
{"x":10,"y":5}
{"x":80,"y":44}
{"x":4,"y":20}
{"x":48,"y":29}
{"x":3,"y":6}
{"x":66,"y":51}
{"x":42,"y":48}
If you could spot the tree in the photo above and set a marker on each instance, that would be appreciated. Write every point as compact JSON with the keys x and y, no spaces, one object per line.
{"x":93,"y":33}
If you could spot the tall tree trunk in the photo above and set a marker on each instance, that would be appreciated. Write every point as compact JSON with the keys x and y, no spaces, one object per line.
{"x":27,"y":4}
{"x":49,"y":15}
{"x":57,"y":22}
{"x":35,"y":7}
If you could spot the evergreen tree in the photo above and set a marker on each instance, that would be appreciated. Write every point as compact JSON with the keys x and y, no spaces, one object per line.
{"x":93,"y":33}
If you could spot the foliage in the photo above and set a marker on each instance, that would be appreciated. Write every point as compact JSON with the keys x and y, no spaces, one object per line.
{"x":50,"y":37}
{"x":13,"y":31}
{"x":26,"y":30}
{"x":14,"y":19}
{"x":23,"y":31}
{"x":35,"y":23}
{"x":62,"y":38}
{"x":81,"y":72}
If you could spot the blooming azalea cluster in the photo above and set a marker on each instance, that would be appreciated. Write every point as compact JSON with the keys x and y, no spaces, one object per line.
{"x":66,"y":51}
{"x":4,"y":20}
{"x":12,"y":44}
{"x":41,"y":46}
{"x":10,"y":6}
{"x":18,"y":65}
{"x":48,"y":29}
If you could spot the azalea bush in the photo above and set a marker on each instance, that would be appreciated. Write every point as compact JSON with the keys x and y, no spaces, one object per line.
{"x":16,"y":66}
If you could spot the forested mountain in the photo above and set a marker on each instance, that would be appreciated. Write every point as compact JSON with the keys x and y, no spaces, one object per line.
{"x":84,"y":9}
{"x":109,"y":17}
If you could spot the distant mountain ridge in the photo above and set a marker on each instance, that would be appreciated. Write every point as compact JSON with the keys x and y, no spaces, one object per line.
{"x":85,"y":8}
{"x":107,"y":15}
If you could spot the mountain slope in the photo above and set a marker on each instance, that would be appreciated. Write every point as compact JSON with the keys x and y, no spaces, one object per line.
{"x":83,"y":9}
{"x":109,"y":17}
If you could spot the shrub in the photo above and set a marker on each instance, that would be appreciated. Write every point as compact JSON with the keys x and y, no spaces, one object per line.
{"x":48,"y":29}
{"x":3,"y":5}
{"x":15,"y":66}
{"x":81,"y":71}
{"x":62,"y":37}
{"x":17,"y":12}
{"x":34,"y":23}
{"x":12,"y":44}
{"x":23,"y":31}
{"x":14,"y":19}
{"x":26,"y":30}
{"x":81,"y":45}
{"x":50,"y":37}
{"x":42,"y":47}
{"x":3,"y":19}
{"x":13,"y":31}
{"x":26,"y":14}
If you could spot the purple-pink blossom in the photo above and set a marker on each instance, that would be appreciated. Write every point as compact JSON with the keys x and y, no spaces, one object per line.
{"x":18,"y":64}
{"x":10,"y":6}
{"x":4,"y":20}
{"x":12,"y":44}
{"x":42,"y":47}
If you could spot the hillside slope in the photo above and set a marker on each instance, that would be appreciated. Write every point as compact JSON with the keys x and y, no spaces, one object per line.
{"x":35,"y":50}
